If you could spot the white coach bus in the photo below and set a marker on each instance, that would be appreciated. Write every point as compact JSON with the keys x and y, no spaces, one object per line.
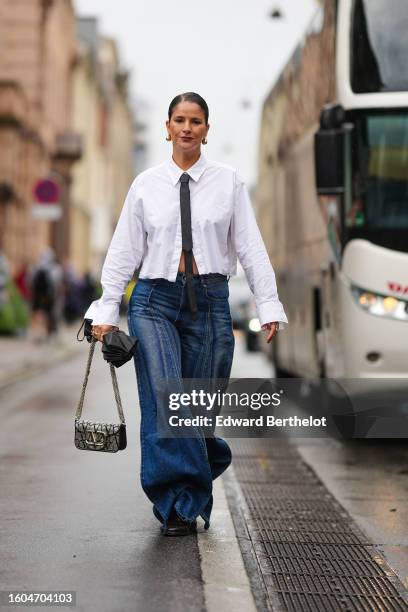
{"x":333,"y":193}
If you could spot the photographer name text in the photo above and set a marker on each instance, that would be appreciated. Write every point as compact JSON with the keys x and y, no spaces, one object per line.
{"x":259,"y":421}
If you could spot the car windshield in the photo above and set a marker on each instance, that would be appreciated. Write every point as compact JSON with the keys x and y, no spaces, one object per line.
{"x":239,"y":291}
{"x":379,"y":46}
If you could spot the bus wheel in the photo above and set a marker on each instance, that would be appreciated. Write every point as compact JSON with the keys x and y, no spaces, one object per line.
{"x":251,"y":342}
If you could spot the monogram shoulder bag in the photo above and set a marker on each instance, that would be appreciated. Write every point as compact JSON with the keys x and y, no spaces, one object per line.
{"x":96,"y":436}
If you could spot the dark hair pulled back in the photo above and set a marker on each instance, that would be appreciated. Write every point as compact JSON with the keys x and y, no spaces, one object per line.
{"x":189,"y":96}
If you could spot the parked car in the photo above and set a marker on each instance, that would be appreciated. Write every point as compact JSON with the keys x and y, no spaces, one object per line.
{"x":243,"y":311}
{"x":252,"y":327}
{"x":239,"y":297}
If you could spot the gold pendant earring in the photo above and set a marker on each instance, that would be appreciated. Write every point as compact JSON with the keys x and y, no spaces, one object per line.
{"x":204,"y":141}
{"x":168,"y":137}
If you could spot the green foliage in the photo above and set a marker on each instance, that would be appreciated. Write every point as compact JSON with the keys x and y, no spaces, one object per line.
{"x":14,"y":311}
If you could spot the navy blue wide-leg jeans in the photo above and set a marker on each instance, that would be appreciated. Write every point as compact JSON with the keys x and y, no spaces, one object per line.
{"x":177,"y":473}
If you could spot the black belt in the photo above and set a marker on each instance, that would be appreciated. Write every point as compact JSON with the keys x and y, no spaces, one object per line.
{"x":187,"y":241}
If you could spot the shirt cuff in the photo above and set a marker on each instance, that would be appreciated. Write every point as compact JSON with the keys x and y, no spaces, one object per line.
{"x":268,"y":312}
{"x":103,"y":314}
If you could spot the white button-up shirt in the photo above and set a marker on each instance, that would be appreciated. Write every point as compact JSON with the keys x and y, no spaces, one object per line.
{"x":148,"y":232}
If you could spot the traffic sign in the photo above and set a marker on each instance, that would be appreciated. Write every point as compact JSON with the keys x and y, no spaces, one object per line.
{"x":46,"y":191}
{"x":47,"y":212}
{"x":46,"y":206}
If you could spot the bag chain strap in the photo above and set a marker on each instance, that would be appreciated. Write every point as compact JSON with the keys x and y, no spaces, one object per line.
{"x":114,"y":383}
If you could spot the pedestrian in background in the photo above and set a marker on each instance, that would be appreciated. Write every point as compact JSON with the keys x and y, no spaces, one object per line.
{"x":21,"y":280}
{"x":88,"y":291}
{"x":179,"y":307}
{"x":72,"y":290}
{"x":4,"y":277}
{"x":46,"y":296}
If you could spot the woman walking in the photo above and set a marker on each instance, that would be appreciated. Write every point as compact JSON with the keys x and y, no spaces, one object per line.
{"x":184,"y":222}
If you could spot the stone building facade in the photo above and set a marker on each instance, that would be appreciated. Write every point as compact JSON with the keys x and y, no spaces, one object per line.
{"x":290,"y":110}
{"x":64,"y":115}
{"x":101,"y":113}
{"x":37,"y":58}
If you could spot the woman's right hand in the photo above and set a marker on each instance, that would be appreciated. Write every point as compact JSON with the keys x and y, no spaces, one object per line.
{"x":98,"y":331}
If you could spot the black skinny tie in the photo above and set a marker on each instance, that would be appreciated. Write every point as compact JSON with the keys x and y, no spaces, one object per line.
{"x":187,"y":240}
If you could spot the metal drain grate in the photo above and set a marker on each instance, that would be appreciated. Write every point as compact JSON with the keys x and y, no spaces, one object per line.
{"x":310,"y":553}
{"x":300,"y":492}
{"x":299,"y":524}
{"x":292,"y":510}
{"x":302,"y":537}
{"x":314,"y":602}
{"x":319,"y":552}
{"x":378,"y":586}
{"x":334,"y":567}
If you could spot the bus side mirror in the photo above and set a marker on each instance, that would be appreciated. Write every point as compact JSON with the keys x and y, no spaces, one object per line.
{"x":329,"y":161}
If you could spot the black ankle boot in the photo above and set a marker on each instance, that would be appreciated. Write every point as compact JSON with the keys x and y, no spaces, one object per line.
{"x":176,"y":526}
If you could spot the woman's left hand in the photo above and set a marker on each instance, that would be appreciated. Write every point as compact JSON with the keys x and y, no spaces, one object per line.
{"x":273,"y":330}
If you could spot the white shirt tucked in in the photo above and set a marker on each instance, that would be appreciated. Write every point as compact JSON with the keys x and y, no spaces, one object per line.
{"x":148,"y":232}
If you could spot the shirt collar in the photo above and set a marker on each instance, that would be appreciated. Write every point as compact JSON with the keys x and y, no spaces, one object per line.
{"x":194,"y":171}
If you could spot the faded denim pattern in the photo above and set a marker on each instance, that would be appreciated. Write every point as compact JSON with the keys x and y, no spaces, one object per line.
{"x":178,"y":472}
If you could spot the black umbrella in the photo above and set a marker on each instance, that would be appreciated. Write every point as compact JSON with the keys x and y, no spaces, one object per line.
{"x":118,"y":347}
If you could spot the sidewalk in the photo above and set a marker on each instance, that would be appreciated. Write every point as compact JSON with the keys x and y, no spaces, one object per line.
{"x":21,"y":356}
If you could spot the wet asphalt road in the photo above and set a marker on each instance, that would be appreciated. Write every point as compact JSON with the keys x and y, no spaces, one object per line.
{"x":72,"y":520}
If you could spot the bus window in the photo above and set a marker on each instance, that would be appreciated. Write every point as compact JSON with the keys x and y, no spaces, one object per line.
{"x":379,"y":203}
{"x":379,"y":46}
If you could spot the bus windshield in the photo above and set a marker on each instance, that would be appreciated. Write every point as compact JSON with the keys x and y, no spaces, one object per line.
{"x":379,"y":204}
{"x":379,"y":46}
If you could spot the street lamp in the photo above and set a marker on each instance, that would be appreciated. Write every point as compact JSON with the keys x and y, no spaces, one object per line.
{"x":276,"y":13}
